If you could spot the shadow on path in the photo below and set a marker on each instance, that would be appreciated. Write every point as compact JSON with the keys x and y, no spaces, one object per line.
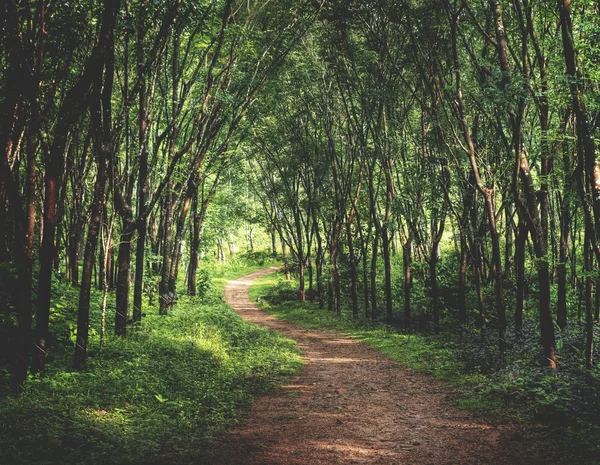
{"x":352,"y":405}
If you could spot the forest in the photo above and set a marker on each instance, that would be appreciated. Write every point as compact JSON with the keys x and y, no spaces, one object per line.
{"x":425,"y":174}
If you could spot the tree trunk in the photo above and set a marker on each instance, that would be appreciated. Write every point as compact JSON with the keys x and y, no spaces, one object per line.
{"x":83,"y":312}
{"x":167,"y":242}
{"x":123,"y":280}
{"x":353,"y":271}
{"x":195,"y":244}
{"x":373,"y":275}
{"x":520,"y":243}
{"x":407,"y":259}
{"x":462,"y":279}
{"x":385,"y":241}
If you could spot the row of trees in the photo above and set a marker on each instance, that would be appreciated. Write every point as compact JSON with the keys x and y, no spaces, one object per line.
{"x":381,"y":127}
{"x":118,"y":119}
{"x":401,"y":121}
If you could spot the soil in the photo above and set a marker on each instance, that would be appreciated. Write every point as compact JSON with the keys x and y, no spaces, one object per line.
{"x":352,"y":405}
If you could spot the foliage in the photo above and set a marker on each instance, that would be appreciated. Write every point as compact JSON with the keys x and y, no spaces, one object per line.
{"x":158,"y":396}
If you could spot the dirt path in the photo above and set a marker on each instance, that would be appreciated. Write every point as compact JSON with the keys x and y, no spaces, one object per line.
{"x":352,"y":405}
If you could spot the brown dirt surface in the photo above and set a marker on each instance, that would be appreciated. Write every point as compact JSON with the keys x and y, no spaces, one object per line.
{"x":352,"y":405}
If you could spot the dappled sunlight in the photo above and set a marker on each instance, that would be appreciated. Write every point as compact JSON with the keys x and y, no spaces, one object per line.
{"x":350,"y":449}
{"x":291,"y":387}
{"x":344,"y":341}
{"x":337,"y":360}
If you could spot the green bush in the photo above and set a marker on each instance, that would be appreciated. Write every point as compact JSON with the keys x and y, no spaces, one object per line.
{"x":158,"y":396}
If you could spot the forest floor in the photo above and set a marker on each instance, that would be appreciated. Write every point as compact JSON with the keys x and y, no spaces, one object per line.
{"x":352,"y":405}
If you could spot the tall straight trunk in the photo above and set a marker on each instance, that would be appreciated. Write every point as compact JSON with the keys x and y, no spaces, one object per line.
{"x":520,"y":243}
{"x":47,"y":251}
{"x":433,"y":259}
{"x":75,"y":237}
{"x":301,"y":279}
{"x":373,"y":275}
{"x":194,"y":245}
{"x":353,"y":271}
{"x":497,"y":271}
{"x":311,"y":293}
{"x":538,"y":237}
{"x":436,"y":236}
{"x":508,"y":240}
{"x":122,"y":314}
{"x":221,"y":251}
{"x":83,"y":313}
{"x":163,"y":288}
{"x":286,"y":265}
{"x":24,"y":262}
{"x":319,"y":263}
{"x":143,"y":124}
{"x":365,"y":277}
{"x":387,"y":264}
{"x":138,"y":286}
{"x":231,"y":246}
{"x":273,"y":230}
{"x":589,"y":291}
{"x":167,"y":212}
{"x":407,"y":258}
{"x":482,"y":320}
{"x":462,"y":279}
{"x":111,"y":266}
{"x":177,"y":241}
{"x":561,"y":269}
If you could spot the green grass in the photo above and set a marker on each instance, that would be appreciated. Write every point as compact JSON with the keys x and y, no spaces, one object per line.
{"x":157,"y":397}
{"x":419,"y":352}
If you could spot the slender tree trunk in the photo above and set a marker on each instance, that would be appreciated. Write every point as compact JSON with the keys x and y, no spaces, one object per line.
{"x":385,"y":242}
{"x":373,"y":275}
{"x":122,"y":314}
{"x":24,"y":262}
{"x":407,"y":259}
{"x":142,"y":189}
{"x":301,"y":279}
{"x":319,"y":264}
{"x":433,"y":259}
{"x":273,"y":240}
{"x":589,"y":291}
{"x":520,"y":243}
{"x":83,"y":312}
{"x":353,"y":271}
{"x":163,"y":288}
{"x":462,"y":279}
{"x":195,"y":244}
{"x":561,"y":269}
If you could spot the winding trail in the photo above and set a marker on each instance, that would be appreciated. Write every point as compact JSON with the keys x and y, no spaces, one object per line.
{"x":352,"y":405}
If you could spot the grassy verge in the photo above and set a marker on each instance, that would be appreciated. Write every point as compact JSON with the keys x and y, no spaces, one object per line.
{"x":157,"y":397}
{"x":563,"y":406}
{"x":416,"y":351}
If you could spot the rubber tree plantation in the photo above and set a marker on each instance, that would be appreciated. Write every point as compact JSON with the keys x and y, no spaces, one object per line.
{"x":427,"y":169}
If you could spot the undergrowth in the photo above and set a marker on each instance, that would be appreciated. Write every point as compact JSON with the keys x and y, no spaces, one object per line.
{"x":158,"y":396}
{"x":564,"y":405}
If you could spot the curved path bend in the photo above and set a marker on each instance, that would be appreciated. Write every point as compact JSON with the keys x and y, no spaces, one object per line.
{"x":352,"y":405}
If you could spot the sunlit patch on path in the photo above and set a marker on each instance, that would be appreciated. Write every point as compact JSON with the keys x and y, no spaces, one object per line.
{"x":352,"y":405}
